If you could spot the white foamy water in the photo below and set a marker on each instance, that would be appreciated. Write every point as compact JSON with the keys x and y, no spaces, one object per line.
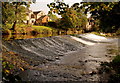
{"x":91,"y":39}
{"x":95,"y":37}
{"x":82,"y":41}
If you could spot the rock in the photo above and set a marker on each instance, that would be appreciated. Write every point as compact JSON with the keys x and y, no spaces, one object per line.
{"x":93,"y":72}
{"x":90,"y":55}
{"x":61,"y":55}
{"x":85,"y":60}
{"x":106,"y":55}
{"x":57,"y":58}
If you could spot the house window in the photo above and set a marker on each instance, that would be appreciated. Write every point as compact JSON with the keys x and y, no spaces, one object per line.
{"x":41,"y":13}
{"x":32,"y":21}
{"x":32,"y":16}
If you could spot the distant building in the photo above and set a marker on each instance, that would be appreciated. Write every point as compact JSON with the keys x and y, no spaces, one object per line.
{"x":36,"y":18}
{"x":89,"y":24}
{"x":43,"y":20}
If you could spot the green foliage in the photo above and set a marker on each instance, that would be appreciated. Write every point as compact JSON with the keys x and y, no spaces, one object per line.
{"x":12,"y":12}
{"x":107,"y":13}
{"x":53,"y":17}
{"x":58,"y":6}
{"x":7,"y":13}
{"x":72,"y":17}
{"x":118,"y":32}
{"x":7,"y":26}
{"x":116,"y":61}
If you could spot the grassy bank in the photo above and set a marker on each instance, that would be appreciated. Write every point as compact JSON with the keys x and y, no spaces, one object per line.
{"x":43,"y":29}
{"x":38,"y":28}
{"x":20,"y":28}
{"x":23,"y":28}
{"x":106,"y":34}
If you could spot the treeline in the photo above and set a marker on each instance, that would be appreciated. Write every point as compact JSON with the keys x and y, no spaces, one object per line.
{"x":71,"y":17}
{"x":105,"y":15}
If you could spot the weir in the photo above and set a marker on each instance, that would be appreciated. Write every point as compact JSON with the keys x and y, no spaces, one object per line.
{"x":48,"y":47}
{"x":75,"y":58}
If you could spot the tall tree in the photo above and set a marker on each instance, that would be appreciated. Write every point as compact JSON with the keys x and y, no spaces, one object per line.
{"x":7,"y":13}
{"x":19,"y":12}
{"x":14,"y":12}
{"x":72,"y":17}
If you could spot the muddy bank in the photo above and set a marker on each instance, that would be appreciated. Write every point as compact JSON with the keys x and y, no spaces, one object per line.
{"x":67,"y":58}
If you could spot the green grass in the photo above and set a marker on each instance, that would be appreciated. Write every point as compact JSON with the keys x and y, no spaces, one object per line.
{"x":41,"y":27}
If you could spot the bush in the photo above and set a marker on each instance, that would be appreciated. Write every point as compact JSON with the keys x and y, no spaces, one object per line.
{"x":116,"y":61}
{"x":112,"y":68}
{"x":7,"y":26}
{"x":52,"y":24}
{"x":118,"y":32}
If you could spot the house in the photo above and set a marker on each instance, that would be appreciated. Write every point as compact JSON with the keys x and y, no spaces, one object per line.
{"x":89,"y":24}
{"x":43,"y":20}
{"x":36,"y":18}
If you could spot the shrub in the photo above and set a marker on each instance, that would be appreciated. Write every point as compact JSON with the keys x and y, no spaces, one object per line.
{"x":116,"y":60}
{"x":112,"y":68}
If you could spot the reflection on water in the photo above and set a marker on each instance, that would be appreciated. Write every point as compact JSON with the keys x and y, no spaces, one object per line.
{"x":27,"y":36}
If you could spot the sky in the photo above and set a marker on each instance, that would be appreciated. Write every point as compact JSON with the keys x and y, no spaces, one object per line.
{"x":42,"y":4}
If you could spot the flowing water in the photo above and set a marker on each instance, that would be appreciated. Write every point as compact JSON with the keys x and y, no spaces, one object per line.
{"x":69,"y":58}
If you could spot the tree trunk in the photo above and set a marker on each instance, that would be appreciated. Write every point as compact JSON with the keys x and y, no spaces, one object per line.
{"x":15,"y":22}
{"x":14,"y":26}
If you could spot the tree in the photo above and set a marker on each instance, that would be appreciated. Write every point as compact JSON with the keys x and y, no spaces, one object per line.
{"x":53,"y":17}
{"x":19,"y":12}
{"x":7,"y":13}
{"x":72,"y":17}
{"x":58,"y":6}
{"x":107,"y":13}
{"x":14,"y":12}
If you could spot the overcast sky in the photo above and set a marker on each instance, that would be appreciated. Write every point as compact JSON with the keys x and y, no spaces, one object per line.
{"x":42,"y":4}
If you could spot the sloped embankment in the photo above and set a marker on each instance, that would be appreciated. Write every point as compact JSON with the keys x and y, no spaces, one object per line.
{"x":43,"y":48}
